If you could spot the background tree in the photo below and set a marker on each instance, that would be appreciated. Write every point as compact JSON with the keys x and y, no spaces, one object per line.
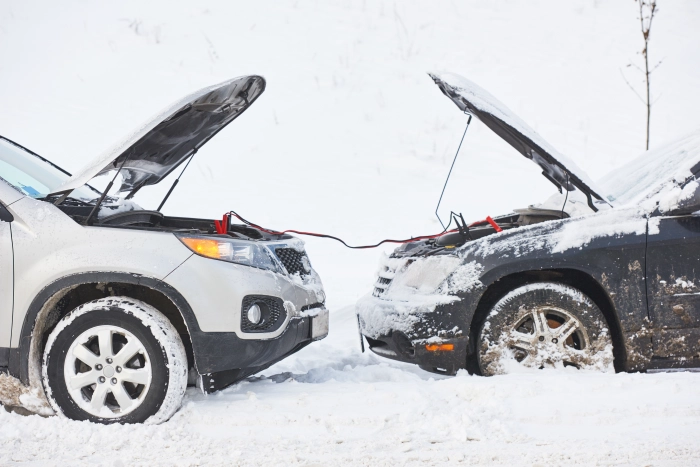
{"x":647,"y":11}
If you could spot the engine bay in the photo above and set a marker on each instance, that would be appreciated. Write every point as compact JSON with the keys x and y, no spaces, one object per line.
{"x":156,"y":221}
{"x":447,"y":242}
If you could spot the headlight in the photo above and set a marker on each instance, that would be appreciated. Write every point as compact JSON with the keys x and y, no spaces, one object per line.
{"x":232,"y":250}
{"x":426,"y":274}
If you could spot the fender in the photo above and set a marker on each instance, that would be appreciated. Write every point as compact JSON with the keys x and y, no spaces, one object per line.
{"x":19,"y":358}
{"x":621,"y":279}
{"x":624,"y":308}
{"x":469,"y":302}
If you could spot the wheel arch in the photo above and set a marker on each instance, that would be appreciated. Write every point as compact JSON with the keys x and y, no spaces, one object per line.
{"x":64,"y":295}
{"x":578,"y":279}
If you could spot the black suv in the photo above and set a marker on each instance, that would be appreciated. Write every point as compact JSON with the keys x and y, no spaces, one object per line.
{"x":596,"y":277}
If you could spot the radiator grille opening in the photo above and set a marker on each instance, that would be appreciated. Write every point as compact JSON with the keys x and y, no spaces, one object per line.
{"x":294,"y":261}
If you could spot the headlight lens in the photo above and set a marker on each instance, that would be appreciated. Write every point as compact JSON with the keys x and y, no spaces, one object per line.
{"x":232,"y":250}
{"x":426,"y":274}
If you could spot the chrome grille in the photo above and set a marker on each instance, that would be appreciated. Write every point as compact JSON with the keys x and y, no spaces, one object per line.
{"x":383,"y":281}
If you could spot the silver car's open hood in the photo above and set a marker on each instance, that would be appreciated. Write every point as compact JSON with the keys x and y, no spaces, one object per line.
{"x":557,"y":168}
{"x":156,"y":148}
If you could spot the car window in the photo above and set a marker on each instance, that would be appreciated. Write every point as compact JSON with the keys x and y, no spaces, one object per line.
{"x":32,"y":175}
{"x":24,"y":182}
{"x":644,"y":175}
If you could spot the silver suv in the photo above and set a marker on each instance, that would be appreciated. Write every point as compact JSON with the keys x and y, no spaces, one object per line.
{"x":111,"y":310}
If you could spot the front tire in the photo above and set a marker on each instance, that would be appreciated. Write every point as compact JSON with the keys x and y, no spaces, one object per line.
{"x":115,"y":360}
{"x":544,"y":325}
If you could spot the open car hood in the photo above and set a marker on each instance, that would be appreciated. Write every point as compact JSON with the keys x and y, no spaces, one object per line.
{"x":557,"y":168}
{"x":156,"y":148}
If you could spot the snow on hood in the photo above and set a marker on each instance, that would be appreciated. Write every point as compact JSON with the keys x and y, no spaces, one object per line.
{"x":157,"y":147}
{"x":501,"y":120}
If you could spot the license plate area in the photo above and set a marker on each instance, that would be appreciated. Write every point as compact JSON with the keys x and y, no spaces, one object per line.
{"x":319,"y":325}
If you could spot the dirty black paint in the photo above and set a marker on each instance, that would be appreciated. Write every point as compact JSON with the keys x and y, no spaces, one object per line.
{"x":655,"y":319}
{"x":673,"y":267}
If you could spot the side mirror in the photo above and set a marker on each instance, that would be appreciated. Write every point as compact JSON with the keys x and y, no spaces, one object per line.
{"x":5,"y":214}
{"x":687,"y":201}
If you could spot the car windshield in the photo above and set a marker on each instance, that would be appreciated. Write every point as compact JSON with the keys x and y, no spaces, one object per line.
{"x":33,"y":175}
{"x":644,"y":175}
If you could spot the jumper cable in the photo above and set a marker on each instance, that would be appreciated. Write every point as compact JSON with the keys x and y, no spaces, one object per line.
{"x":221,"y":228}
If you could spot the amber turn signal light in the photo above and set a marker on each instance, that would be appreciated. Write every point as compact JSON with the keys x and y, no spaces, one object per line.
{"x":439,"y":347}
{"x":202,"y":246}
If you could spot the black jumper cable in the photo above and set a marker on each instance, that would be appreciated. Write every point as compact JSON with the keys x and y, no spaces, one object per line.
{"x":222,"y":226}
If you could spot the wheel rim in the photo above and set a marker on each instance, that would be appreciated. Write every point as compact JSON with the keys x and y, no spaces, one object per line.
{"x":107,"y":371}
{"x":549,"y":337}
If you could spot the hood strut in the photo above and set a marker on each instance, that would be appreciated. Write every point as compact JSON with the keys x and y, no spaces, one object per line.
{"x":555,"y":167}
{"x":469,"y":119}
{"x":88,"y":221}
{"x":177,"y":180}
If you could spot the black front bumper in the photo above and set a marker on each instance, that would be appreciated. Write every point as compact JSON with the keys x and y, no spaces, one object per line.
{"x":445,"y":323}
{"x":224,"y":359}
{"x":397,"y":346}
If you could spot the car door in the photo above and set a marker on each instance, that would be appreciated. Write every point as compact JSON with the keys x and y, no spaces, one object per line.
{"x":6,"y":286}
{"x":673,"y":290}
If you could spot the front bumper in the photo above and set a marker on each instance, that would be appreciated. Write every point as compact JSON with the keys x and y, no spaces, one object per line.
{"x":216,"y":291}
{"x":225,"y":359}
{"x":397,"y":346}
{"x":405,"y":332}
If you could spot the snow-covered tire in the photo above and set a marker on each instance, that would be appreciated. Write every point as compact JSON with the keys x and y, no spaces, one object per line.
{"x":545,"y":324}
{"x":107,"y":350}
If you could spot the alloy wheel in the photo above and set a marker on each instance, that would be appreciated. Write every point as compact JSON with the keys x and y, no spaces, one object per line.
{"x":547,"y":336}
{"x":107,"y":371}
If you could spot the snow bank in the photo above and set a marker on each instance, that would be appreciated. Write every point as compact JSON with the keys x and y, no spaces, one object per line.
{"x":14,"y":394}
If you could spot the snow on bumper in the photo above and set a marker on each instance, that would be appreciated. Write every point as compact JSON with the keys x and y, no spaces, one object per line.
{"x":416,"y":305}
{"x":379,"y":317}
{"x":410,"y":332}
{"x":410,"y":290}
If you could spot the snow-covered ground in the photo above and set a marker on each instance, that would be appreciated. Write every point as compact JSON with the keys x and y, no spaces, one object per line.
{"x":352,"y":138}
{"x":332,"y":405}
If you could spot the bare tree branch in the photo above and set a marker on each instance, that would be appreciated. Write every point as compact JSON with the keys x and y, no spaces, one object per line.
{"x":657,"y":65}
{"x":647,"y":7}
{"x":632,"y":88}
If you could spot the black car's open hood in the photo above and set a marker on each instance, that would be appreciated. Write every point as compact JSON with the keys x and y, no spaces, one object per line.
{"x":154,"y":150}
{"x":557,"y":168}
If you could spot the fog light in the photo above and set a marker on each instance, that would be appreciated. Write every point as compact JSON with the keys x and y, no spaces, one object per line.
{"x":254,"y":314}
{"x":439,"y":347}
